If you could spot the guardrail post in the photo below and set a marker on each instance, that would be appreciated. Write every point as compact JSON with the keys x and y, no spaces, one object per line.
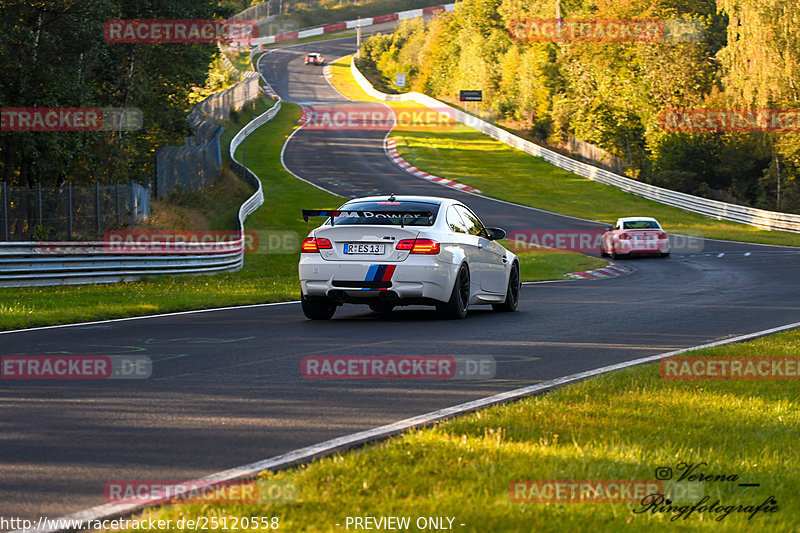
{"x":69,"y":211}
{"x":39,"y":202}
{"x":96,"y":208}
{"x":4,"y":191}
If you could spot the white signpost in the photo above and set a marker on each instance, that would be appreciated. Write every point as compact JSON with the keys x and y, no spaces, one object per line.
{"x":401,"y":79}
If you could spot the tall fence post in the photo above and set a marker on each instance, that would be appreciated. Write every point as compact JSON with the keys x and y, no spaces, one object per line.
{"x":4,"y":191}
{"x":39,"y":202}
{"x":96,"y":208}
{"x":116,"y":200}
{"x":69,"y":211}
{"x":133,"y":203}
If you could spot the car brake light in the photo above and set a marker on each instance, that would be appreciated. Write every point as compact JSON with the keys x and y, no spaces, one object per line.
{"x":624,"y":236}
{"x":662,"y":235}
{"x":311,"y":245}
{"x":419,"y":246}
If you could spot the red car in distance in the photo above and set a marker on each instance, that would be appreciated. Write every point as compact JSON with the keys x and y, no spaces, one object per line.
{"x":635,"y":235}
{"x":315,"y":59}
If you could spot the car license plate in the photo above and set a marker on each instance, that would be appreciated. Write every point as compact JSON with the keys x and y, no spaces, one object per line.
{"x":366,"y":249}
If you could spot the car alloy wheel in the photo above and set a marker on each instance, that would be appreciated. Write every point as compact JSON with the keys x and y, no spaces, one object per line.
{"x":512,"y":294}
{"x":458,"y":305}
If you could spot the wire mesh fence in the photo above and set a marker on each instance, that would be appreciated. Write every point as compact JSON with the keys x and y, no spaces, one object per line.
{"x":197,"y":163}
{"x":69,"y":212}
{"x":259,"y":11}
{"x":217,"y":107}
{"x":589,"y":153}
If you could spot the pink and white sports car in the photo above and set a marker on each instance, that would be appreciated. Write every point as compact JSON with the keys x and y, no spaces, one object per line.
{"x":635,"y":235}
{"x":405,"y":250}
{"x":314,"y":58}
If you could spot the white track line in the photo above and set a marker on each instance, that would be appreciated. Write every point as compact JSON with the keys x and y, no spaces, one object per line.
{"x":143,"y":317}
{"x":329,"y":447}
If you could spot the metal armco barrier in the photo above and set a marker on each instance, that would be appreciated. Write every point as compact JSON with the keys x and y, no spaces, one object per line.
{"x":771,"y":220}
{"x":55,"y":263}
{"x":350,"y":24}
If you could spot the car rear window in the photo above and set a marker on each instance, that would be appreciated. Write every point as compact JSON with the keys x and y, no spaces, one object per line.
{"x":387,"y":219}
{"x":641,"y":224}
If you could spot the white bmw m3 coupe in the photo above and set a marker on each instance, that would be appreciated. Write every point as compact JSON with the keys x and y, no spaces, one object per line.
{"x":405,"y":250}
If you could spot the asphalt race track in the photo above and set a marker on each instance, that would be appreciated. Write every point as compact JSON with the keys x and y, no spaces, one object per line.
{"x":226,"y":388}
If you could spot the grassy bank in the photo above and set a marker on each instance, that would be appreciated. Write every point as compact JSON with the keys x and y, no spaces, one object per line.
{"x":264,"y":278}
{"x":619,"y":426}
{"x":467,"y":156}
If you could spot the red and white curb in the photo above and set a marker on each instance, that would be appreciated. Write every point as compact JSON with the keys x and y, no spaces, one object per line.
{"x":350,"y":24}
{"x":326,"y":70}
{"x":391,"y":149}
{"x":611,"y":271}
{"x":268,"y":90}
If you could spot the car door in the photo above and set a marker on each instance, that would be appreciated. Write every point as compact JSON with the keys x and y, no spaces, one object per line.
{"x":490,"y":256}
{"x":466,"y":241}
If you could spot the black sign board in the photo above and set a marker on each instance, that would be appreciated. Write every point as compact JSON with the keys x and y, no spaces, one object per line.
{"x":471,"y":96}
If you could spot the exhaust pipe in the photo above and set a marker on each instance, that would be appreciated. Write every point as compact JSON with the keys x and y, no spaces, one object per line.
{"x":388,"y":296}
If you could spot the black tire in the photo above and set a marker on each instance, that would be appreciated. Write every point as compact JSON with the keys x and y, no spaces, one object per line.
{"x":615,"y":255}
{"x":664,"y":254}
{"x":381,"y":307}
{"x":318,"y":307}
{"x":458,"y":305}
{"x":603,"y":252}
{"x":512,"y":293}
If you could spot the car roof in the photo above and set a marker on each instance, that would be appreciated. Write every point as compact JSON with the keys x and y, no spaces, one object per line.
{"x":404,"y":198}
{"x":629,"y":219}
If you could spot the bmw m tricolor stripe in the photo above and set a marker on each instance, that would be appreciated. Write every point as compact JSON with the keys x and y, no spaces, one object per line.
{"x":380,"y":273}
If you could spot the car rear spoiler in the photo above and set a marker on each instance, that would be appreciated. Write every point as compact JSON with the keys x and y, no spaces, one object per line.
{"x":402,"y":215}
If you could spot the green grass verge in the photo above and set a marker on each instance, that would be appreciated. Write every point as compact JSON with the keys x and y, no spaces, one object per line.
{"x":499,"y":171}
{"x":619,"y":426}
{"x":267,"y":277}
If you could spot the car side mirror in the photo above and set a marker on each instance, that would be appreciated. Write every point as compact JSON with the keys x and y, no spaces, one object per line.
{"x":495,"y":234}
